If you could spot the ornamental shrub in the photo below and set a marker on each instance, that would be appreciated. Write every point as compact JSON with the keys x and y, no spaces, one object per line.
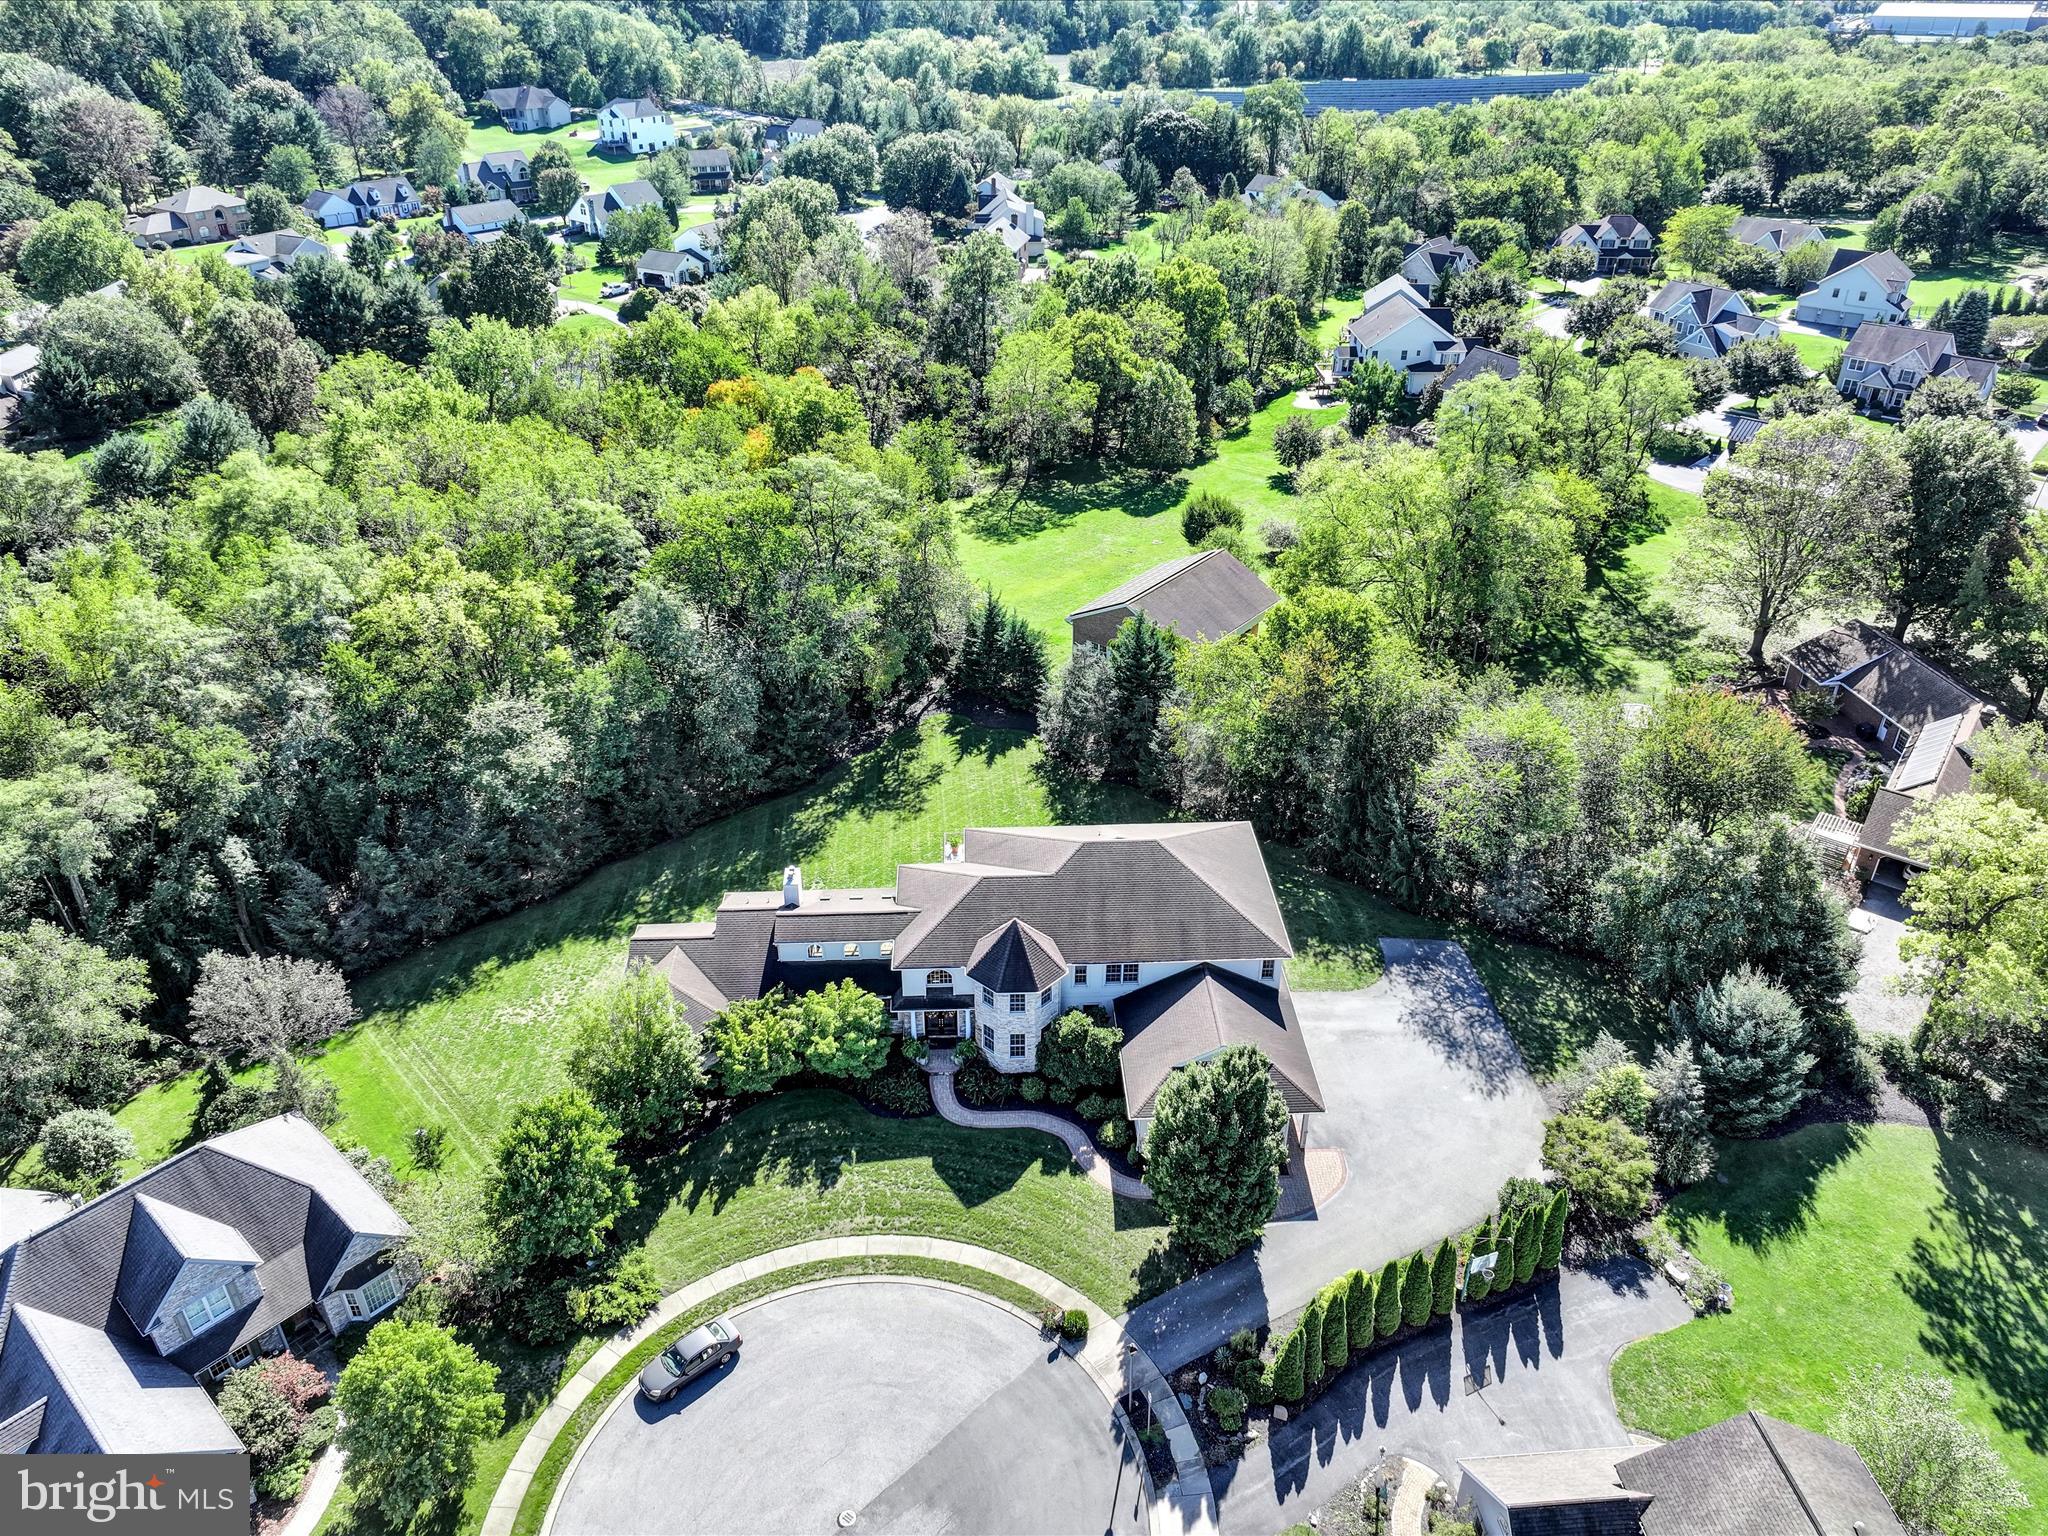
{"x":1032,"y":1090}
{"x":1255,"y":1380}
{"x":1386,"y":1312}
{"x":1443,"y":1279}
{"x":623,"y":1295}
{"x":1285,"y":1379}
{"x":1358,"y":1308}
{"x":1227,"y":1403}
{"x":1415,"y":1292}
{"x":1074,"y":1325}
{"x":1529,"y":1245}
{"x":981,"y":1086}
{"x":1098,"y":1106}
{"x":1311,"y":1330}
{"x":1114,"y":1133}
{"x":1336,"y":1330}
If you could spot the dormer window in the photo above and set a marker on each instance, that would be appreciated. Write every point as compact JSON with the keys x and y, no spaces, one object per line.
{"x":207,"y":1310}
{"x":936,"y":979}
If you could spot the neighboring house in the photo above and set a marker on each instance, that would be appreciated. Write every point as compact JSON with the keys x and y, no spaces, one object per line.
{"x":1706,"y":319}
{"x":363,"y":202}
{"x":1209,"y":595}
{"x":1860,"y":287}
{"x":1620,"y":243}
{"x":1003,"y":208}
{"x":503,"y":173}
{"x":1917,"y":715}
{"x":1480,"y":360}
{"x":481,"y":223}
{"x":1271,"y":194}
{"x":268,"y":257}
{"x":663,"y":270}
{"x":702,"y":249}
{"x":1172,"y":928}
{"x":1936,"y":21}
{"x":193,"y":216}
{"x":259,"y":1241}
{"x":1425,"y":263}
{"x":1398,"y":327}
{"x":1751,"y":1475}
{"x":1884,"y":364}
{"x":711,"y":169}
{"x":781,"y":135}
{"x":1774,"y":237}
{"x":529,"y":108}
{"x":634,"y":125}
{"x":593,"y":211}
{"x":18,"y":366}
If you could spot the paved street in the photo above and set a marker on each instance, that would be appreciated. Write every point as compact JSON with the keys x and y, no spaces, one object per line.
{"x":919,"y":1408}
{"x":1427,"y":1097}
{"x":1546,"y":1356}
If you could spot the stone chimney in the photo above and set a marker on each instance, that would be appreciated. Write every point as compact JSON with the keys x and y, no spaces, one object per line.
{"x":792,"y":885}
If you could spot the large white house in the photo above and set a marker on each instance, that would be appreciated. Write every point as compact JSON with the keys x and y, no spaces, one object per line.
{"x":593,"y":211}
{"x":1172,"y":928}
{"x":1707,"y":319}
{"x":1425,"y":263}
{"x":1004,"y":209}
{"x":634,"y":125}
{"x":1861,"y":287}
{"x":1397,"y":326}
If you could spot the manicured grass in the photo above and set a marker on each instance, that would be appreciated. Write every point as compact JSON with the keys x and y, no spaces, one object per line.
{"x":1075,"y":535}
{"x":1817,"y":352}
{"x":1853,"y":1246}
{"x":579,"y":139}
{"x":574,"y":324}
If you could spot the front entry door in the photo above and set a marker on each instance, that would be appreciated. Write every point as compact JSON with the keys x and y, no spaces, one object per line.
{"x":942,"y":1029}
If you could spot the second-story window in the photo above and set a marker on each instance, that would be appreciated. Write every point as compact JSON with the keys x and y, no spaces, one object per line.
{"x":936,"y":979}
{"x":1045,"y":997}
{"x":1080,"y":975}
{"x":849,"y":950}
{"x":1266,"y":970}
{"x":1121,"y":974}
{"x":816,"y":952}
{"x":207,"y":1310}
{"x":1017,"y":1002}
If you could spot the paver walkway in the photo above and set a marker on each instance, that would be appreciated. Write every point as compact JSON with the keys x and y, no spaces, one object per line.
{"x":941,"y":1066}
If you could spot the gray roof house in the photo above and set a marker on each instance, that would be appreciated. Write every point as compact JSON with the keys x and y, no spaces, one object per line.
{"x":480,"y":223}
{"x":593,"y":210}
{"x":1707,"y":319}
{"x":529,"y":108}
{"x":1858,"y":286}
{"x":1425,"y":263}
{"x":190,"y":216}
{"x":1208,"y":595}
{"x":711,"y":169}
{"x":1751,"y":1475}
{"x":1620,"y":243}
{"x":1480,"y":360}
{"x":1918,"y":715}
{"x":111,"y":1315}
{"x":1173,"y":929}
{"x":1774,"y":237}
{"x":1884,"y":364}
{"x":502,"y":173}
{"x":269,"y":257}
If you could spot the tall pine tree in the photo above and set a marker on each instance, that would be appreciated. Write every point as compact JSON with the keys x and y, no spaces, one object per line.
{"x":1443,"y":1279}
{"x":1358,"y":1309}
{"x":1311,"y":1330}
{"x":1415,"y":1292}
{"x":1336,"y":1329}
{"x":1387,"y":1301}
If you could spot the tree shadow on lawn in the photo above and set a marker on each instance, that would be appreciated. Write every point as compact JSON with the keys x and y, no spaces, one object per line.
{"x":1616,"y":623}
{"x":1980,"y":1280}
{"x":1010,"y":513}
{"x":1769,"y":1186}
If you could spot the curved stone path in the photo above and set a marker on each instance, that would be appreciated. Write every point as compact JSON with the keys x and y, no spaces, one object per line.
{"x":1185,"y":1507}
{"x":941,"y":1068}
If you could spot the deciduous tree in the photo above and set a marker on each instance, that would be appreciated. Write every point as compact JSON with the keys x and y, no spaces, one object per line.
{"x":415,"y":1404}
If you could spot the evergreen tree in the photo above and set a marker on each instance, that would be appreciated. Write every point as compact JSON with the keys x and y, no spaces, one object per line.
{"x":1751,"y":1042}
{"x":1310,"y":1328}
{"x":1386,"y":1312}
{"x":1529,"y":1244}
{"x":1553,"y":1230}
{"x":1285,"y":1379}
{"x":1141,"y":671}
{"x":1358,"y":1309}
{"x":1943,"y":317}
{"x":1443,"y":1279}
{"x":1213,"y":1156}
{"x":1477,"y":1286}
{"x":1416,"y":1291}
{"x":1971,"y":323}
{"x":1336,"y":1328}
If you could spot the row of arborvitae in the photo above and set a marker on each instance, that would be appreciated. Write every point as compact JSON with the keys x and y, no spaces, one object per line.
{"x":1356,"y":1310}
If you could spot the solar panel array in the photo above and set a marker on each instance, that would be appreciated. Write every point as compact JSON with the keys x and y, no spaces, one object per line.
{"x":1400,"y":95}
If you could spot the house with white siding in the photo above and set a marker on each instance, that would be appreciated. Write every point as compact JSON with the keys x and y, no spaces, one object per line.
{"x":1399,"y":328}
{"x":1173,"y":930}
{"x":263,"y":1240}
{"x":1859,"y":288}
{"x":634,"y":125}
{"x":1426,"y":263}
{"x":1706,"y":318}
{"x":1621,"y":244}
{"x":1884,"y":365}
{"x":593,"y":211}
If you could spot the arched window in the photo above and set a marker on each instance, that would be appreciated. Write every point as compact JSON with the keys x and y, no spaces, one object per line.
{"x":937,"y":979}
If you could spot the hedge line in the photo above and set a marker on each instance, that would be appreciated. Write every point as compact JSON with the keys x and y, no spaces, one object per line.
{"x":1356,"y":1310}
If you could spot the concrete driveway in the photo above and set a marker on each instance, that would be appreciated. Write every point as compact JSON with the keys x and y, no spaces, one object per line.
{"x":1879,"y":1003}
{"x":1544,"y":1361}
{"x":919,"y":1408}
{"x":1428,"y":1098}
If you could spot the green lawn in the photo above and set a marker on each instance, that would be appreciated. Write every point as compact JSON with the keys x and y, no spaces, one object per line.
{"x":579,"y":139}
{"x":1817,"y":352}
{"x":1849,"y":1246}
{"x":1077,"y":534}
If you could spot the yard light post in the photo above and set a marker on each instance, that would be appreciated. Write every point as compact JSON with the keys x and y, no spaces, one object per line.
{"x":1127,"y":1351}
